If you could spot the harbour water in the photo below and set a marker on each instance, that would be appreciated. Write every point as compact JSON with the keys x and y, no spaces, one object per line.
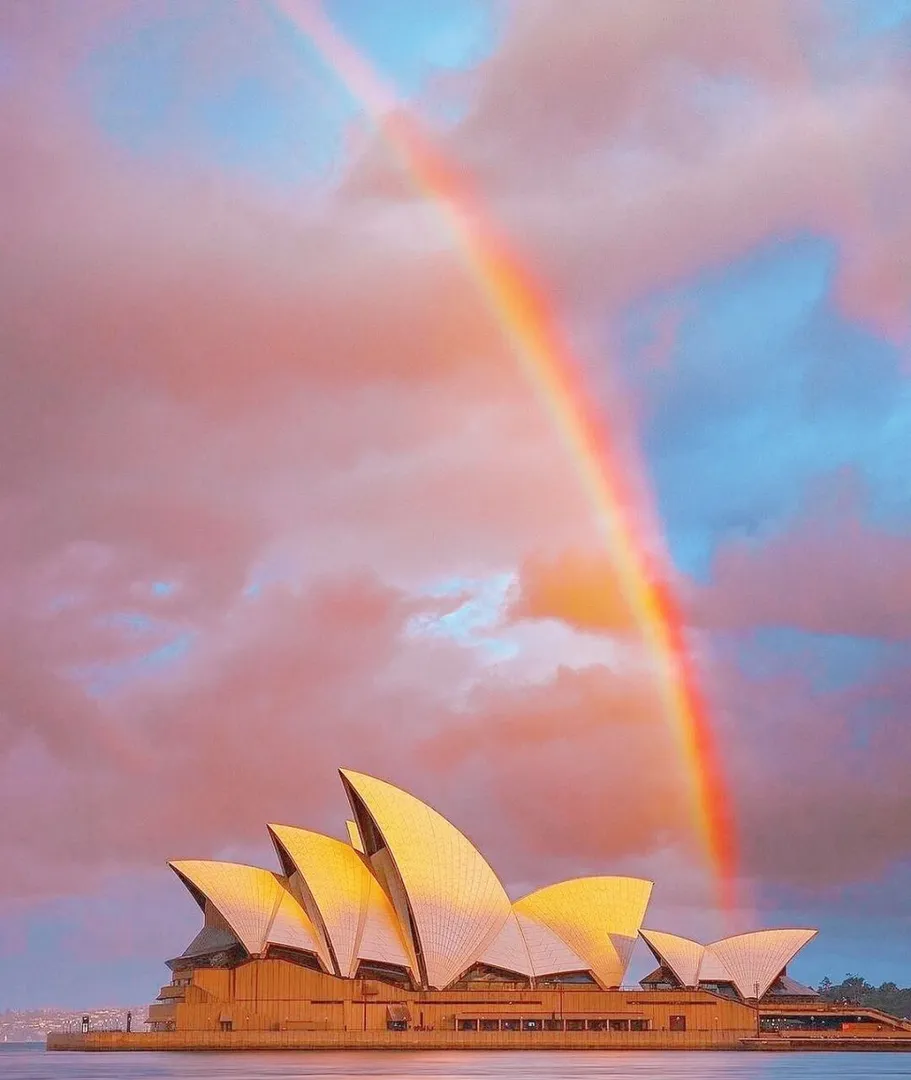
{"x":32,"y":1063}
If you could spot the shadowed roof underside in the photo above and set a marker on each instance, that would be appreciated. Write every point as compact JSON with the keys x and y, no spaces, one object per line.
{"x":354,"y":837}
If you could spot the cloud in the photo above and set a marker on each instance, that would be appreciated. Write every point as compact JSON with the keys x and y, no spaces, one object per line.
{"x":678,"y":142}
{"x":830,"y":572}
{"x":563,"y":765}
{"x":813,"y":742}
{"x":604,"y":67}
{"x":581,"y":589}
{"x":203,"y":369}
{"x":580,"y":774}
{"x":819,"y":777}
{"x":278,"y":695}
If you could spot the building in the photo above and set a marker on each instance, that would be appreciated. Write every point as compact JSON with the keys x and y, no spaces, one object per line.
{"x":402,"y":936}
{"x":406,"y":928}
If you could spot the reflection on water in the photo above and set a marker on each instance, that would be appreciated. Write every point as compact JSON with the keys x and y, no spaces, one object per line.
{"x":34,"y":1064}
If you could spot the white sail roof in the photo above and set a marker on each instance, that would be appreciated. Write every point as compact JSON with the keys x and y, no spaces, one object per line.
{"x":755,"y":960}
{"x":550,"y":954}
{"x":455,"y":902}
{"x":410,"y":891}
{"x":382,"y":939}
{"x":750,"y":961}
{"x":256,"y":904}
{"x":509,"y":949}
{"x":598,"y":918}
{"x":680,"y":954}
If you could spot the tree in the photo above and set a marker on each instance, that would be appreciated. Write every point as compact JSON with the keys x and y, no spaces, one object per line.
{"x":889,"y":997}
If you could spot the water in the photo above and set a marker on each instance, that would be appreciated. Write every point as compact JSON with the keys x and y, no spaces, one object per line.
{"x":32,"y":1063}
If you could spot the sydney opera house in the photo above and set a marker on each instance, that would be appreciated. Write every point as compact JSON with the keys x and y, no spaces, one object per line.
{"x":405,"y":928}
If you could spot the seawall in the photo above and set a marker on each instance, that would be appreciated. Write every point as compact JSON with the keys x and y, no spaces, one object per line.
{"x":101,"y":1041}
{"x":394,"y":1040}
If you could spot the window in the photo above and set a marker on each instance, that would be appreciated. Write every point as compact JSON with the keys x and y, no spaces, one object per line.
{"x":397,"y":1016}
{"x":619,"y":1025}
{"x":575,"y":1025}
{"x":490,"y":1025}
{"x":678,"y":1023}
{"x":597,"y":1025}
{"x":468,"y":1025}
{"x":227,"y":1025}
{"x":553,"y":1025}
{"x":638,"y":1025}
{"x":509,"y":1025}
{"x":531,"y":1025}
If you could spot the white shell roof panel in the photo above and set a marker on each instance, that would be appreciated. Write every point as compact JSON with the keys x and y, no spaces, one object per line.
{"x":680,"y":954}
{"x":549,"y":953}
{"x":598,"y":917}
{"x":246,"y":896}
{"x":754,"y":960}
{"x":292,"y":928}
{"x":338,"y":881}
{"x":457,"y":902}
{"x":509,"y":950}
{"x":382,"y":940}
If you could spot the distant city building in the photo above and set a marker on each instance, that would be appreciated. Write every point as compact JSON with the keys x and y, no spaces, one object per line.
{"x":33,"y":1025}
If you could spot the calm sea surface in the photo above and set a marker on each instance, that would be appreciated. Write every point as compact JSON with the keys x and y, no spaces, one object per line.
{"x":34,"y":1064}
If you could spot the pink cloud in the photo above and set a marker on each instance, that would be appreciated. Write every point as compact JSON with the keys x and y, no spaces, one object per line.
{"x":578,"y":588}
{"x":600,"y":68}
{"x":828,"y":572}
{"x":801,"y":763}
{"x":563,"y":764}
{"x":831,"y":572}
{"x":820,"y":778}
{"x":252,"y":730}
{"x":680,"y":141}
{"x":580,"y":771}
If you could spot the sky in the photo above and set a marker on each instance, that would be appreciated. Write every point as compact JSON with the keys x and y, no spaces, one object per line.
{"x":276,"y":496}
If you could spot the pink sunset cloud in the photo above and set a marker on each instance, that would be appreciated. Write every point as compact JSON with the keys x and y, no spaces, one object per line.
{"x":578,"y":588}
{"x":250,"y":728}
{"x":718,"y":138}
{"x":830,"y":572}
{"x":801,"y":762}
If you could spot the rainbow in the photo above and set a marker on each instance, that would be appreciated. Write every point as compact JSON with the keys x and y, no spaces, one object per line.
{"x":527,"y":320}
